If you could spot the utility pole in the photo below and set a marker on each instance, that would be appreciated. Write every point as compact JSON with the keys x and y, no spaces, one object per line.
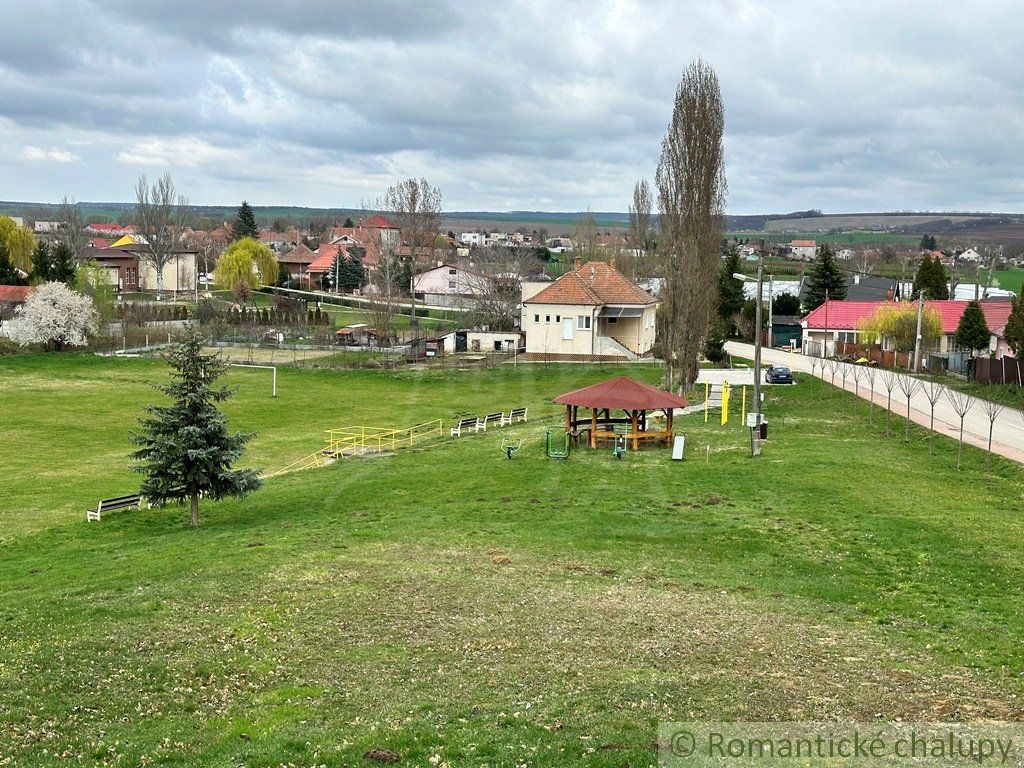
{"x":771,"y":296}
{"x":917,"y":341}
{"x":755,"y":440}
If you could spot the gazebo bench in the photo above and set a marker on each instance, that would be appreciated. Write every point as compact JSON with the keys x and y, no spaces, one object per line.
{"x":492,"y":418}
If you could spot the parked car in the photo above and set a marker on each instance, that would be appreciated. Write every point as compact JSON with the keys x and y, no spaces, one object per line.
{"x":778,"y":374}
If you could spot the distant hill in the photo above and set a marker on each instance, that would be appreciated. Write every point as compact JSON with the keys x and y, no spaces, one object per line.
{"x":970,"y":226}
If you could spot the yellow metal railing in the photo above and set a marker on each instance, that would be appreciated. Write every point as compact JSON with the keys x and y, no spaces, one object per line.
{"x":307,"y":462}
{"x":351,"y":440}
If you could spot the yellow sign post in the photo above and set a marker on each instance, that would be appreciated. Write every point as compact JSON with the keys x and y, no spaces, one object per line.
{"x":725,"y":403}
{"x":743,"y":416}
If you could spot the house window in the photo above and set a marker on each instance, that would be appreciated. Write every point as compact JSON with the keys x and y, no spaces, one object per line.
{"x":558,"y":318}
{"x":613,"y":319}
{"x":453,"y":271}
{"x":547,"y":318}
{"x":451,"y":283}
{"x":847,"y":337}
{"x":583,"y":322}
{"x":536,"y":318}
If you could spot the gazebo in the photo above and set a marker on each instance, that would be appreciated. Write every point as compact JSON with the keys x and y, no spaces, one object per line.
{"x":619,"y":394}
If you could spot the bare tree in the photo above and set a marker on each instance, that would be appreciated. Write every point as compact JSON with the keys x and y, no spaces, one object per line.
{"x":71,"y":227}
{"x":909,"y":386}
{"x":890,"y":382}
{"x":858,"y":376}
{"x":161,"y":214}
{"x":691,"y":197}
{"x":869,"y":376}
{"x":585,"y":238}
{"x":933,"y":391}
{"x":992,"y":411}
{"x":383,"y":290}
{"x":961,"y":403}
{"x":416,"y":207}
{"x":495,"y":283}
{"x":639,"y":242}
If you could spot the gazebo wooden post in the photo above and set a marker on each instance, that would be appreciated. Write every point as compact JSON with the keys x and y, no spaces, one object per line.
{"x":593,"y":427}
{"x":636,"y":442}
{"x":568,"y":421}
{"x":668,"y":428}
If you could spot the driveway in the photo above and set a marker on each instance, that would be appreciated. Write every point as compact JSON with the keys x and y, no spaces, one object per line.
{"x":1007,"y":431}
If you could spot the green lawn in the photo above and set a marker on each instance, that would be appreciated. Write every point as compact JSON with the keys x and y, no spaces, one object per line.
{"x":1010,"y":279}
{"x":454,"y":606}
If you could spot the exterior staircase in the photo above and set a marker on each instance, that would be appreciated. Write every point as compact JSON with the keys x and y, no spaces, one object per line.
{"x":616,"y":347}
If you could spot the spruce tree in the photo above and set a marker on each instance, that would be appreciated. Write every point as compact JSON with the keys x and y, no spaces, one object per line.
{"x":245,"y":223}
{"x":972,"y":332}
{"x":8,"y":275}
{"x":349,"y":224}
{"x":730,"y":291}
{"x":932,"y":278}
{"x":1014,"y":331}
{"x":825,"y":279}
{"x":351,"y":273}
{"x":185,"y":449}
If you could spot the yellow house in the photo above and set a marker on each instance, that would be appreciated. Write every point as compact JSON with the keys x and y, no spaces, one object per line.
{"x":591,"y":313}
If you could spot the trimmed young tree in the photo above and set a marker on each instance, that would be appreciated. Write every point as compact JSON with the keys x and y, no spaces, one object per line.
{"x":972,"y":333}
{"x":1014,"y":331}
{"x":185,"y":449}
{"x":54,"y":316}
{"x":825,"y":280}
{"x":931,"y":277}
{"x":245,"y":223}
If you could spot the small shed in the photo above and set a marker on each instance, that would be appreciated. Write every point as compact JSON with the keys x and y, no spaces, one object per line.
{"x":632,"y":397}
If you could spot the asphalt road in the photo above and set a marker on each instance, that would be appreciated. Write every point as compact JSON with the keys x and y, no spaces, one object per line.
{"x":1007,"y":429}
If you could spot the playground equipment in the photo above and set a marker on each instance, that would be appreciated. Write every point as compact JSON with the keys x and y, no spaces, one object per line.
{"x":620,"y":447}
{"x":509,"y":447}
{"x":557,"y":453}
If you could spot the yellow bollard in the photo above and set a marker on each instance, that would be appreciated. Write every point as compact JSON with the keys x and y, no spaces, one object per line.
{"x":725,"y":403}
{"x":707,"y":397}
{"x":743,"y":410}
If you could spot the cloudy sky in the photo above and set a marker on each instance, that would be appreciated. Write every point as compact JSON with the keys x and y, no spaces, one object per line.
{"x":843,"y":106}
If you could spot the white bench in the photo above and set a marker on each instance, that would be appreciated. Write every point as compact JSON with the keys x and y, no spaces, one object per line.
{"x":130,"y":501}
{"x":516,"y":414}
{"x":467,"y":424}
{"x":491,"y":418}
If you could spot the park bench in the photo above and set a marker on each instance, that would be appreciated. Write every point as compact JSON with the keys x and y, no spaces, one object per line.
{"x":492,"y":418}
{"x":472,"y":423}
{"x":130,"y":501}
{"x":516,"y":414}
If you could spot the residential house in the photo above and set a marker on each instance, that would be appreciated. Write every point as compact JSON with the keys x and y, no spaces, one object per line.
{"x":131,"y":271}
{"x":846,"y":254}
{"x":591,"y":312}
{"x":45,"y":227}
{"x":835,"y":323}
{"x":296,"y":262}
{"x":473,"y":238}
{"x":109,"y":231}
{"x":970,"y":255}
{"x":11,"y":297}
{"x":805,"y":250}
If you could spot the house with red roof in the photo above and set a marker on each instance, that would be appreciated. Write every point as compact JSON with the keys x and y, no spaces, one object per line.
{"x":12,"y":296}
{"x":592,"y":312}
{"x":806,"y":250}
{"x":835,"y":323}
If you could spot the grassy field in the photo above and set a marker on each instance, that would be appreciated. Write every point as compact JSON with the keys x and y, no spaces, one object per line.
{"x":1010,"y":279}
{"x":459,"y":608}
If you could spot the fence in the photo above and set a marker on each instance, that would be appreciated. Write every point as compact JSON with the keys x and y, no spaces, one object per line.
{"x":348,"y":441}
{"x":1003,"y":370}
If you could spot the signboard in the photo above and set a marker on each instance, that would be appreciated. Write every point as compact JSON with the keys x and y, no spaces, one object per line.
{"x":677,"y":447}
{"x":752,"y":419}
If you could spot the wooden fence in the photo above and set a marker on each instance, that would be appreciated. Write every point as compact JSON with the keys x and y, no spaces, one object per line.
{"x":1004,"y":370}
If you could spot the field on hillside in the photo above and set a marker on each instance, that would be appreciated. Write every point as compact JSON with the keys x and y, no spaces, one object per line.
{"x":1010,"y":279}
{"x":833,"y":238}
{"x":458,"y":608}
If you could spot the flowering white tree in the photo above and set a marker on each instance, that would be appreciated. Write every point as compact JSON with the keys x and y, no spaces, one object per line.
{"x":54,"y":316}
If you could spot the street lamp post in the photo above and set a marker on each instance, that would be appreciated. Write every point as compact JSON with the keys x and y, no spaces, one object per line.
{"x":755,"y":438}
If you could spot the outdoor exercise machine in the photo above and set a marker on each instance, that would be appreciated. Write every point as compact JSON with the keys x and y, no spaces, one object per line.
{"x":561,"y":452}
{"x":509,"y":447}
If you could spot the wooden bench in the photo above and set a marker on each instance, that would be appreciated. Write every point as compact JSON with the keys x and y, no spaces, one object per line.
{"x":516,"y":414}
{"x":491,"y":418}
{"x":131,"y":501}
{"x":470,"y":423}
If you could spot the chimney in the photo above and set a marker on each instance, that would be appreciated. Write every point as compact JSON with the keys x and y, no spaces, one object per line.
{"x":577,"y":263}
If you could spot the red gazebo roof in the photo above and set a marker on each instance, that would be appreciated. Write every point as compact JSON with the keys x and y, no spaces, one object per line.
{"x":622,"y":393}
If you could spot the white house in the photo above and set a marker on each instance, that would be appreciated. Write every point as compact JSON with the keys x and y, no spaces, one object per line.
{"x":805,"y":250}
{"x":591,"y":312}
{"x":448,"y":279}
{"x":472,"y":238}
{"x":970,"y":255}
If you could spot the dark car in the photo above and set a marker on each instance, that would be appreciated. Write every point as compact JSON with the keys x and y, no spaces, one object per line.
{"x":778,"y":374}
